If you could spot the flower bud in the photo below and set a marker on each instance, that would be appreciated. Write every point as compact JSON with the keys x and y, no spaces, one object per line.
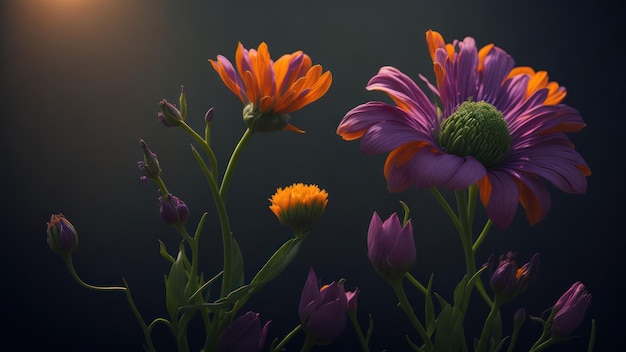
{"x":390,"y":246}
{"x":244,"y":334}
{"x":208,"y":117}
{"x":150,"y":165}
{"x":570,"y":310}
{"x":173,"y":210}
{"x":169,"y":115}
{"x":62,"y":237}
{"x":261,"y":121}
{"x":323,"y":312}
{"x":506,"y":279}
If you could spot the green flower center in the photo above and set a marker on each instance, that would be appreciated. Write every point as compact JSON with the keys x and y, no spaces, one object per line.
{"x":476,"y":129}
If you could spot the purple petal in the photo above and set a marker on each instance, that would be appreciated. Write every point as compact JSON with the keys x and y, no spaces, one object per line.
{"x":546,"y":119}
{"x":403,"y":89}
{"x":429,"y":169}
{"x":388,"y":135}
{"x":361,"y":118}
{"x":402,"y":254}
{"x":377,"y":244}
{"x":502,"y":203}
{"x":233,"y":75}
{"x":496,"y":66}
{"x":328,"y":322}
{"x":310,"y":293}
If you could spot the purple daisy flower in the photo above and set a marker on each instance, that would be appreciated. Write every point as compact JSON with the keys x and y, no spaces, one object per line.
{"x":497,"y":126}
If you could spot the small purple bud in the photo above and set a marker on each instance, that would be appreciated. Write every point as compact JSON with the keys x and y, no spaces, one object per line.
{"x":150,"y":165}
{"x":390,"y":246}
{"x":244,"y":334}
{"x":519,"y":317}
{"x":570,"y":310}
{"x":169,"y":115}
{"x":173,"y":210}
{"x":507,"y":280}
{"x":208,"y":117}
{"x":352,"y":299}
{"x":62,"y":237}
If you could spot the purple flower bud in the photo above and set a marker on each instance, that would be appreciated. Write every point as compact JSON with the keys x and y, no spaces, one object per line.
{"x":323,"y":311}
{"x":208,"y":117}
{"x":62,"y":237}
{"x":352,"y":299}
{"x":173,"y":210}
{"x":506,"y":279}
{"x":244,"y":334}
{"x":150,"y":165}
{"x":519,"y":317}
{"x":570,"y":310}
{"x":390,"y":246}
{"x":169,"y":115}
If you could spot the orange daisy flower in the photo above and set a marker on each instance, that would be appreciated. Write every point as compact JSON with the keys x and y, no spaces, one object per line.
{"x":271,"y":90}
{"x":299,"y":206}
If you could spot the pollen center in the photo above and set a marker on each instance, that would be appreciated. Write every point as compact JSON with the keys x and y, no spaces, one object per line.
{"x":476,"y":129}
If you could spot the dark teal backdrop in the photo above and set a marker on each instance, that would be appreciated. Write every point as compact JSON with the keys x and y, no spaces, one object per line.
{"x":81,"y":80}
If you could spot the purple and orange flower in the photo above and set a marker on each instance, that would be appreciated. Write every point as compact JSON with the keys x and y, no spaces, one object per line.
{"x":495,"y":125}
{"x":271,"y":90}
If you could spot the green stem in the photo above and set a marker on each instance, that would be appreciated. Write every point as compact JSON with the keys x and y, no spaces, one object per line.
{"x":406,"y":306}
{"x":308,"y":344}
{"x":161,"y":184}
{"x":204,"y":143}
{"x":484,"y":337}
{"x":448,"y":209}
{"x":70,"y":267}
{"x":234,"y":158}
{"x":482,"y":236}
{"x":359,"y":333}
{"x":416,"y":283}
{"x":542,"y":346}
{"x":286,"y":339}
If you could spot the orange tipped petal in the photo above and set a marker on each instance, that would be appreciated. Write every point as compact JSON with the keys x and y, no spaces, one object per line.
{"x":435,"y":41}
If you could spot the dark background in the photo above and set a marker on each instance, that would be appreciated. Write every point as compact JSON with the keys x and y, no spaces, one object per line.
{"x":81,"y":80}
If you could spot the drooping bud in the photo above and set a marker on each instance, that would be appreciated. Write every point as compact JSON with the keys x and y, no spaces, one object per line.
{"x":173,"y":210}
{"x":150,"y":165}
{"x":62,"y":237}
{"x":476,"y":129}
{"x":259,"y":121}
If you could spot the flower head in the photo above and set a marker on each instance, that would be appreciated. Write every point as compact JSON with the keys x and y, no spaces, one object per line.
{"x":271,"y":90}
{"x":299,"y":206}
{"x":173,"y":210}
{"x":244,"y":334}
{"x":61,"y":235}
{"x":507,"y":280}
{"x":390,"y":246}
{"x":323,"y":312}
{"x":498,"y":126}
{"x":570,"y":310}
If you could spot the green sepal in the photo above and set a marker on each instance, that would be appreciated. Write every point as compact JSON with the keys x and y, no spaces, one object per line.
{"x":176,"y":284}
{"x":182,"y":100}
{"x":164,"y":253}
{"x":277,"y":262}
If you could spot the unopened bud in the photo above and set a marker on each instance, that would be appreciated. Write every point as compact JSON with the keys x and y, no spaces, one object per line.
{"x":62,"y":237}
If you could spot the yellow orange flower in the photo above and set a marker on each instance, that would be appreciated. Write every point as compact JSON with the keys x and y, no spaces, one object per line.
{"x":299,"y":206}
{"x":271,"y":90}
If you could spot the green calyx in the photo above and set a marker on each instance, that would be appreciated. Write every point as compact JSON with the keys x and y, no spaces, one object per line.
{"x":259,"y":121}
{"x":476,"y":129}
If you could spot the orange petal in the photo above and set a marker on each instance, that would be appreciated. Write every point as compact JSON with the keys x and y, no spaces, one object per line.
{"x":435,"y":41}
{"x":530,"y":203}
{"x":482,"y":54}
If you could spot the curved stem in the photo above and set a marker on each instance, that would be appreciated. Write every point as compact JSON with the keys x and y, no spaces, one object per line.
{"x":286,"y":339}
{"x":406,"y":306}
{"x":359,"y":333}
{"x":466,"y":232}
{"x":234,"y":158}
{"x":444,"y":204}
{"x":482,"y":236}
{"x":70,"y":267}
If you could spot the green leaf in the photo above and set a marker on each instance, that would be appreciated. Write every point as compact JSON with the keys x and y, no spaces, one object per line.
{"x":450,"y":335}
{"x":224,"y":302}
{"x":176,"y":284}
{"x":429,"y":308}
{"x":236,"y":264}
{"x":277,"y":262}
